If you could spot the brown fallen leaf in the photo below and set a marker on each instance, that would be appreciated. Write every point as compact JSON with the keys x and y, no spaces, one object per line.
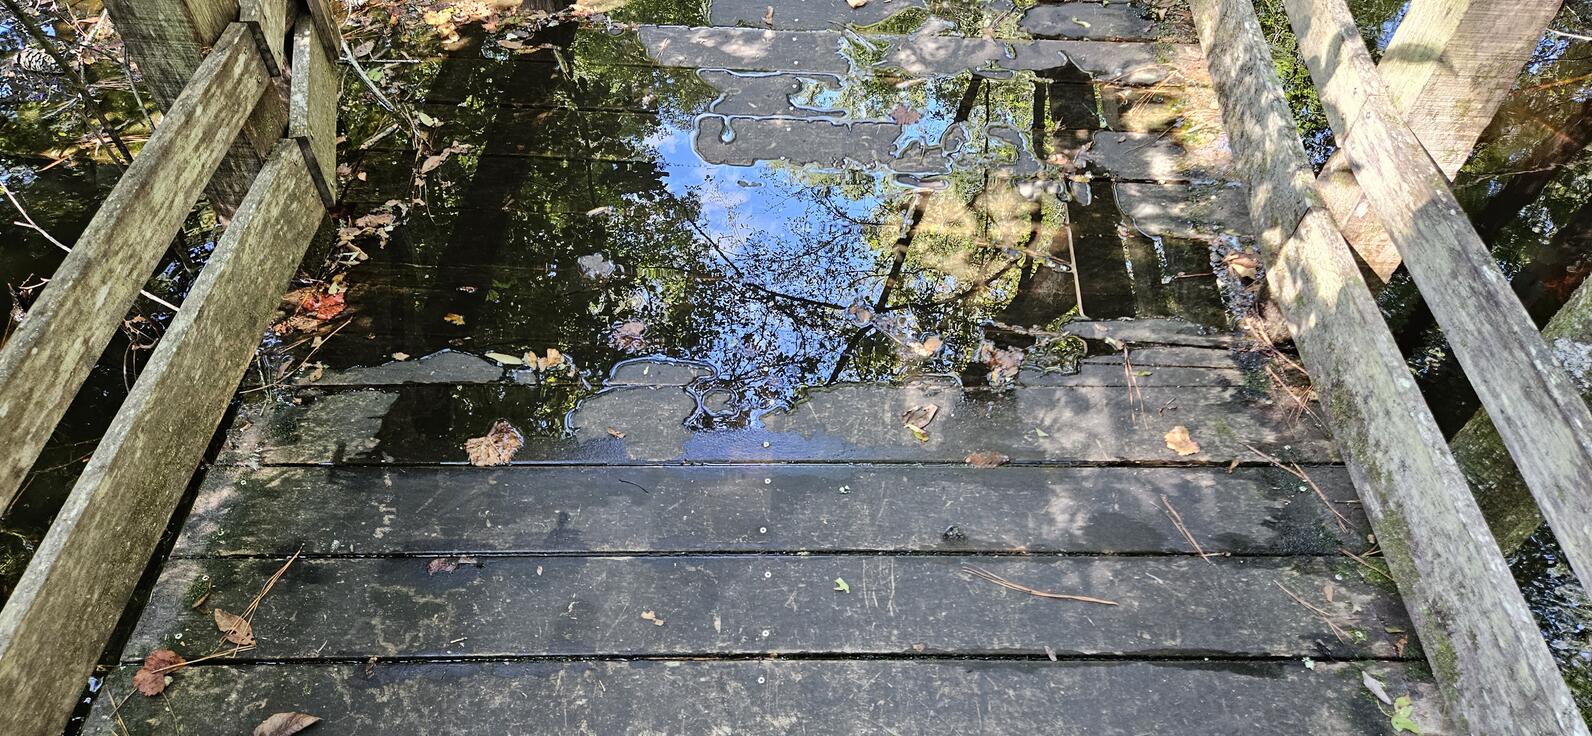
{"x":285,"y":724}
{"x":496,"y":447}
{"x":238,"y":630}
{"x":928,"y":347}
{"x":449,"y":564}
{"x":856,"y":3}
{"x":628,"y":337}
{"x":453,"y":318}
{"x":903,"y":115}
{"x":653,"y":617}
{"x":988,"y":459}
{"x":1243,"y":265}
{"x":917,"y":420}
{"x":1179,"y":441}
{"x":768,"y":17}
{"x":616,"y":434}
{"x":150,"y":679}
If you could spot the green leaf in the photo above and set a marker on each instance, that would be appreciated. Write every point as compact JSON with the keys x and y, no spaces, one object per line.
{"x":840,"y":585}
{"x":1403,"y":720}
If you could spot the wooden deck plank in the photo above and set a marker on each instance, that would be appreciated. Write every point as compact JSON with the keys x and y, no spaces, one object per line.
{"x":787,"y":605}
{"x":822,"y":697}
{"x":428,"y":423}
{"x":375,"y":511}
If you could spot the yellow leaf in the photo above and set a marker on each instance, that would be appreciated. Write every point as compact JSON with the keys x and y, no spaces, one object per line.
{"x":451,"y":317}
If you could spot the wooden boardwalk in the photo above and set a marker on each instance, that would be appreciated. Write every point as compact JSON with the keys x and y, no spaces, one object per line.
{"x":643,"y":569}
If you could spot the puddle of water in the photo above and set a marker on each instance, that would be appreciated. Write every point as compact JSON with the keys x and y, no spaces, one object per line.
{"x":789,"y":228}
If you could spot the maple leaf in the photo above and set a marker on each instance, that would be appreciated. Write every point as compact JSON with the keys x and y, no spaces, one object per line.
{"x":496,"y":447}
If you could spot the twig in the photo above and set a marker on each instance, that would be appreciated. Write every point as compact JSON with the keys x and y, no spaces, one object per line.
{"x":27,"y":222}
{"x":1298,"y":472}
{"x":1565,"y":34}
{"x":638,"y":485}
{"x":1004,"y":583}
{"x":116,"y":711}
{"x":248,"y":613}
{"x":1177,"y":521}
{"x":1325,"y":617}
{"x":302,"y":363}
{"x":1367,"y":564}
{"x":230,"y":652}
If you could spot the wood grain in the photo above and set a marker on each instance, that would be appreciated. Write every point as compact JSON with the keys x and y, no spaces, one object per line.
{"x":46,"y":361}
{"x":1449,"y":66}
{"x":66,"y":604}
{"x":312,"y":103}
{"x":1496,"y":673}
{"x":1538,"y":412}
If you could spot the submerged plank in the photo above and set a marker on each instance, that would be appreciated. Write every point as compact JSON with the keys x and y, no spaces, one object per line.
{"x":364,"y":510}
{"x":837,"y":698}
{"x":429,"y":423}
{"x":743,"y":605}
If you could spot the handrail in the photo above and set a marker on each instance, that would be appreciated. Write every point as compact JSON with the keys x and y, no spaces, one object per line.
{"x":1538,"y":412}
{"x":64,"y":608}
{"x":1488,"y":657}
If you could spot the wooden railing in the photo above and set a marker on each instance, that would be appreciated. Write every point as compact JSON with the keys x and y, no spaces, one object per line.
{"x":1489,"y":659}
{"x":214,"y":133}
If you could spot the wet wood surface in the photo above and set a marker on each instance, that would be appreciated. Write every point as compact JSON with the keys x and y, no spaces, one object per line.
{"x":669,"y":552}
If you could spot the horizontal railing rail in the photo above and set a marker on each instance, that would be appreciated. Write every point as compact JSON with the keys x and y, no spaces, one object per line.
{"x":63,"y":610}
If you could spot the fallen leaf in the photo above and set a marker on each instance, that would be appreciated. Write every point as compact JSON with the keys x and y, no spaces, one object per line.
{"x":400,"y":356}
{"x":841,"y":586}
{"x":616,"y":434}
{"x":544,"y":363}
{"x":496,"y":447}
{"x":1004,"y":363}
{"x":653,"y":617}
{"x":856,"y":3}
{"x":929,"y":346}
{"x":285,"y":724}
{"x":917,"y":420}
{"x":237,"y":628}
{"x":1376,"y":688}
{"x":453,"y":318}
{"x":449,"y":564}
{"x":1403,"y":718}
{"x":1179,"y":441}
{"x":1243,"y":265}
{"x":903,"y":115}
{"x":628,"y":337}
{"x":150,"y":679}
{"x":506,"y":359}
{"x":768,"y":17}
{"x":595,"y":266}
{"x":987,"y":459}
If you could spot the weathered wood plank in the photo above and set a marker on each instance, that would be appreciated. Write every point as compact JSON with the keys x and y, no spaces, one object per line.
{"x":66,"y":604}
{"x":1538,"y":412}
{"x":312,"y":107}
{"x":327,"y":19}
{"x":168,"y":40}
{"x":428,"y":423}
{"x":839,"y":698}
{"x":1448,"y":67}
{"x":361,"y":510}
{"x":785,"y":605}
{"x":1505,"y":499}
{"x":270,"y":21}
{"x":1495,"y":671}
{"x":754,"y":49}
{"x":1098,"y":21}
{"x":51,"y":353}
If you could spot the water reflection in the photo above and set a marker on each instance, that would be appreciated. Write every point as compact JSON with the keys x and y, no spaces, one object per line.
{"x":877,"y":209}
